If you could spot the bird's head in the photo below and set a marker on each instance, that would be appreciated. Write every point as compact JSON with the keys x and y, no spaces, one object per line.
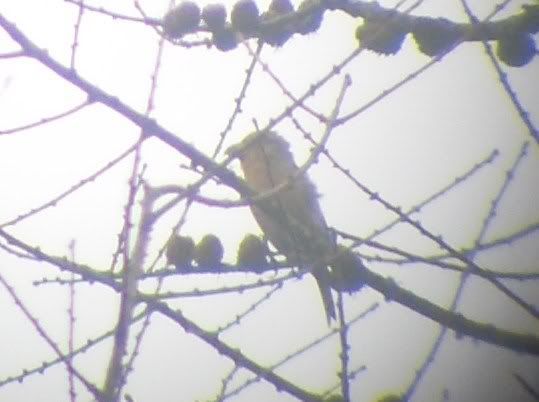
{"x":266,"y":139}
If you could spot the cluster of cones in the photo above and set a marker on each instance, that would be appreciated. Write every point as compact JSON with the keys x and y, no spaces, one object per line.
{"x":252,"y":253}
{"x":274,"y":26}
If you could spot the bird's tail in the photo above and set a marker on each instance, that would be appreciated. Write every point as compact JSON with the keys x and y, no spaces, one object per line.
{"x":321,"y":275}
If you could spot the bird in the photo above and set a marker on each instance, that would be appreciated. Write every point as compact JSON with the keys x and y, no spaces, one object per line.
{"x":296,"y":226}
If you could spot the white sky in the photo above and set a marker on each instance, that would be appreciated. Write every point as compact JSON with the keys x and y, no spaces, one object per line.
{"x":406,"y":147}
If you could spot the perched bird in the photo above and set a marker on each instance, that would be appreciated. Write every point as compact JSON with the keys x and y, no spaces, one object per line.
{"x":296,"y":226}
{"x":180,"y":250}
{"x":252,"y":253}
{"x":209,"y":251}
